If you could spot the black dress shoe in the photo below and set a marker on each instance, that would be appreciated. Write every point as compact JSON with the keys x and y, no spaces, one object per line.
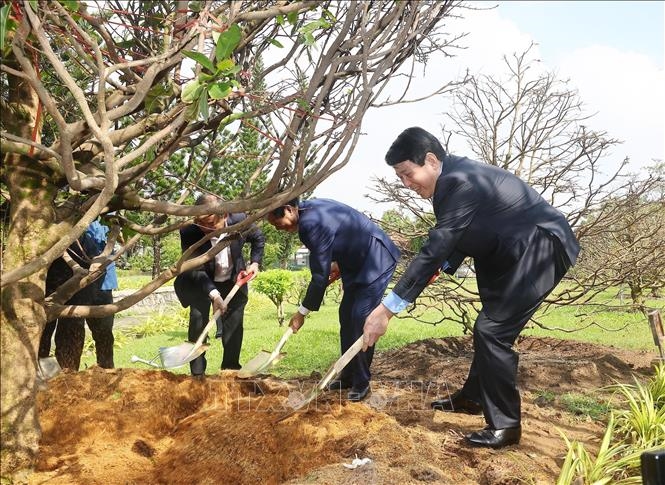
{"x":356,"y":395}
{"x":495,"y":438}
{"x":338,"y":384}
{"x":457,"y":403}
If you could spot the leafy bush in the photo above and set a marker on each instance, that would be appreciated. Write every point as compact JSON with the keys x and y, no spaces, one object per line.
{"x":275,"y":284}
{"x":141,"y":261}
{"x":157,"y":324}
{"x":301,"y":279}
{"x":637,"y":426}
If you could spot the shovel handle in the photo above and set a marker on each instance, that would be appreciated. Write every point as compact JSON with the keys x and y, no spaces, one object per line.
{"x":243,"y":277}
{"x":282,"y":341}
{"x":348,"y":355}
{"x":342,"y":362}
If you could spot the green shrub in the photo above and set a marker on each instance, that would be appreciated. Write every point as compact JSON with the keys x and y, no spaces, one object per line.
{"x":275,"y":284}
{"x":638,"y":425}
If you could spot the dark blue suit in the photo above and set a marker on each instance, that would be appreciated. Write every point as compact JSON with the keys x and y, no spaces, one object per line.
{"x":366,"y":256}
{"x":521,"y":246}
{"x":193,"y":287}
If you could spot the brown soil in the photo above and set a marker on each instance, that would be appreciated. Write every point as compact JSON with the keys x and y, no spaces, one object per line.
{"x":152,"y":427}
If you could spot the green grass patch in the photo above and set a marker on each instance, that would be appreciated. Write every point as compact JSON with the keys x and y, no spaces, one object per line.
{"x":317,"y":345}
{"x":132,"y":279}
{"x":582,"y":405}
{"x":314,"y":348}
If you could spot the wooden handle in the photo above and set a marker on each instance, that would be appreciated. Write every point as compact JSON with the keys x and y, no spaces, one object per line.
{"x":218,"y":313}
{"x":282,"y":341}
{"x":348,"y":355}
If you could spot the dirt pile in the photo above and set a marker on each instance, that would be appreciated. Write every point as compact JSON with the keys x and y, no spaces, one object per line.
{"x":144,"y":427}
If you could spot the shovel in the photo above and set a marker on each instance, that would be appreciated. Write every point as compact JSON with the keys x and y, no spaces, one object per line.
{"x":179,"y":355}
{"x":48,"y":368}
{"x":265,"y":359}
{"x":335,"y":369}
{"x":333,"y":372}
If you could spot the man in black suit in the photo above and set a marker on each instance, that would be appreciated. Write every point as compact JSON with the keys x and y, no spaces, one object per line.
{"x":522,"y":247}
{"x":212,"y":281}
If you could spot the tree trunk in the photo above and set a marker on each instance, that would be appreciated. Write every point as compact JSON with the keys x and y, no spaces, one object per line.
{"x":22,"y":319}
{"x":156,"y":256}
{"x":280,"y":313}
{"x":637,"y":295}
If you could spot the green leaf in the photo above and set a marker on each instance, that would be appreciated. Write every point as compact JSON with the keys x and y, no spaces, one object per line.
{"x":276,"y":43}
{"x":220,"y":90}
{"x":227,"y":42}
{"x":71,"y":5}
{"x":308,"y":39}
{"x":201,"y":59}
{"x":328,"y":15}
{"x":192,"y":111}
{"x":279,"y":19}
{"x":225,"y":65}
{"x":194,"y":6}
{"x":155,"y":100}
{"x":4,"y":15}
{"x":191,"y":91}
{"x":203,"y":104}
{"x":292,"y":17}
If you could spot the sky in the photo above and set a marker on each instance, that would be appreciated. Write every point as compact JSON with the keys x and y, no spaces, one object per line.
{"x":611,"y":53}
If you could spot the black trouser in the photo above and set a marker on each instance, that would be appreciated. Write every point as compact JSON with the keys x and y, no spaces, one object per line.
{"x":69,"y":340}
{"x":70,"y":334}
{"x":492,"y":379}
{"x":357,"y":303}
{"x":229,"y":326}
{"x":102,"y":331}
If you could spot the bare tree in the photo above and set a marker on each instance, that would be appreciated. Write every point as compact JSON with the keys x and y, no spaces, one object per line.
{"x":530,"y":123}
{"x":624,"y":240}
{"x":96,"y":98}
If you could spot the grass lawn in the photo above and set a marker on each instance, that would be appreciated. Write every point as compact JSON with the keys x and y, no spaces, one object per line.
{"x":316,"y":346}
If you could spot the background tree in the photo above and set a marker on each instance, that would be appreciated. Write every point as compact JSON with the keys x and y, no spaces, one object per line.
{"x":624,"y":240}
{"x":95,"y":100}
{"x":530,"y":123}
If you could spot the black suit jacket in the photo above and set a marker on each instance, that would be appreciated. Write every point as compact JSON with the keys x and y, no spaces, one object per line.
{"x":490,"y":214}
{"x":201,"y":280}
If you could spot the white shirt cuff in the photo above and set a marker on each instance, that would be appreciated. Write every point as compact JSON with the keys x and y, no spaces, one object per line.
{"x":214,"y":294}
{"x":303,"y":311}
{"x":394,"y":303}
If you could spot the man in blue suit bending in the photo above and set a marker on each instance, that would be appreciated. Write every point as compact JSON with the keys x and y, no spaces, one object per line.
{"x":342,"y":239}
{"x":521,"y":246}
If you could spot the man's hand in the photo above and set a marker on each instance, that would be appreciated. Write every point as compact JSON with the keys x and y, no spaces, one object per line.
{"x":218,"y":304}
{"x":297,"y":321}
{"x":376,"y":325}
{"x":253,"y":268}
{"x":334,"y":272}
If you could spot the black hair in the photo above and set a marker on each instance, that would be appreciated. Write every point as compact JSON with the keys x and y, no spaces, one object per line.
{"x":413,"y":144}
{"x":279,"y":211}
{"x":204,"y":199}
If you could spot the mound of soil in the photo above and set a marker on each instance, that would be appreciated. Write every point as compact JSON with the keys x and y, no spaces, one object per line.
{"x":153,"y":427}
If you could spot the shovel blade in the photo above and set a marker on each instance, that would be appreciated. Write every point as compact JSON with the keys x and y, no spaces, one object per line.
{"x":179,"y":355}
{"x":48,"y":368}
{"x":258,"y":364}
